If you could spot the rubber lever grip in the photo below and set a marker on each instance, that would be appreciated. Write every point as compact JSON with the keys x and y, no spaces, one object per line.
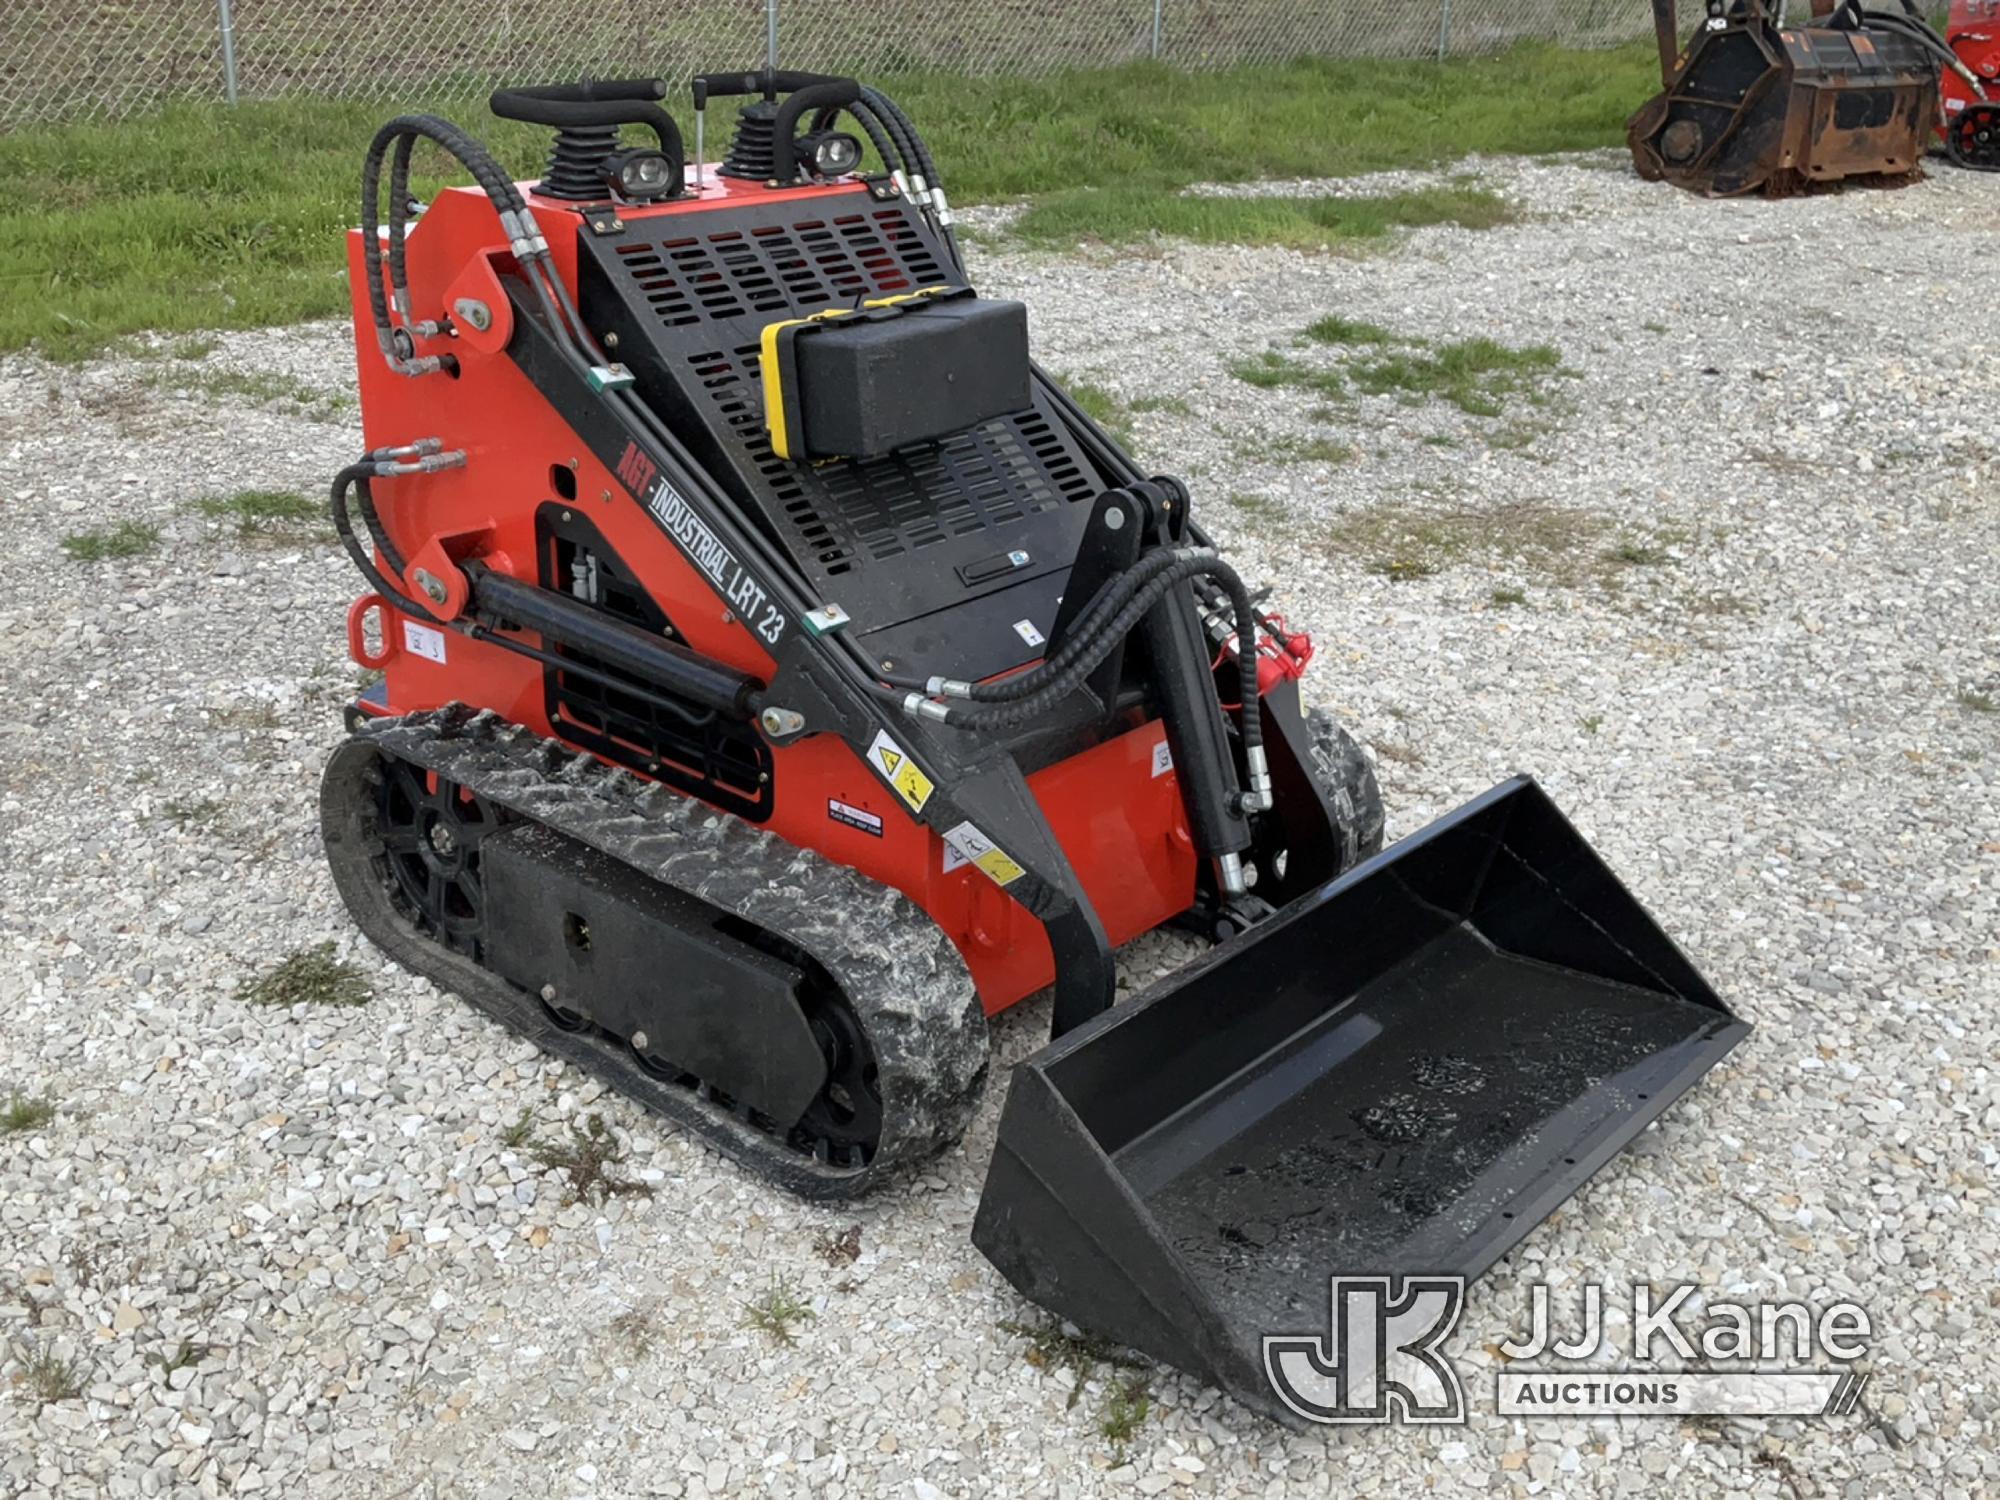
{"x":834,"y":93}
{"x":628,"y":101}
{"x":732,"y":85}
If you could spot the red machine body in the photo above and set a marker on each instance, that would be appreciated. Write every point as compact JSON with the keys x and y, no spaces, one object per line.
{"x":935,"y":697}
{"x":1116,"y":806}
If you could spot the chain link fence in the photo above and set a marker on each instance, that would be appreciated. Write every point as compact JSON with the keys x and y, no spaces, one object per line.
{"x":104,"y":59}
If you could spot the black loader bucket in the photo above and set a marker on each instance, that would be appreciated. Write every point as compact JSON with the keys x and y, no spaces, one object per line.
{"x":1399,"y":1074}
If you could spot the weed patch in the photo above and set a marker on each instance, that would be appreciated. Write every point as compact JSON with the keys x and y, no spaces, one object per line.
{"x":587,"y":1159}
{"x":1475,"y":375}
{"x":777,"y":1312}
{"x":1478,"y":376}
{"x":311,"y":976}
{"x":1631,"y":554}
{"x":276,"y":514}
{"x":126,"y":539}
{"x":22,"y":1113}
{"x":636,"y":1328}
{"x":1978,"y":703}
{"x":186,"y":813}
{"x":1339,"y":330}
{"x":48,"y":1378}
{"x":1319,"y":450}
{"x":1053,"y":1348}
{"x":1125,"y":1411}
{"x":1553,"y":544}
{"x":1274,"y":371}
{"x":1103,"y":408}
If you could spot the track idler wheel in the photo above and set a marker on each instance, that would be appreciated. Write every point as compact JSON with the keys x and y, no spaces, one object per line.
{"x":1972,"y":138}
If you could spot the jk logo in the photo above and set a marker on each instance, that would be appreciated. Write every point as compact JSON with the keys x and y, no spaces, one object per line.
{"x":1380,"y":1360}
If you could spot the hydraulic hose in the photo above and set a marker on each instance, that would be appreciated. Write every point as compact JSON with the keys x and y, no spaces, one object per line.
{"x":1054,"y":685}
{"x":357,"y":476}
{"x":1919,"y":31}
{"x":1082,"y":635}
{"x":401,"y":133}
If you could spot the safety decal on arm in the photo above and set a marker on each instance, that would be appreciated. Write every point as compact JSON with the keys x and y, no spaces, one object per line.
{"x":892,"y":763}
{"x":966,"y":845}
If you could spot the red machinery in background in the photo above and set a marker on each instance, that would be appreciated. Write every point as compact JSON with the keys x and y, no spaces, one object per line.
{"x":1970,"y":124}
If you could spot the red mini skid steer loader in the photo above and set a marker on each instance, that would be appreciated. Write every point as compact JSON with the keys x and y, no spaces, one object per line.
{"x":781,"y":674}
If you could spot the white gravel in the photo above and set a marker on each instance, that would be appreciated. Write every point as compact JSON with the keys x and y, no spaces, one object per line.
{"x":1772,"y":731}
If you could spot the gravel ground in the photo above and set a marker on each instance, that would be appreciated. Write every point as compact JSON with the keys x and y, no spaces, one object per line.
{"x":1725,"y":584}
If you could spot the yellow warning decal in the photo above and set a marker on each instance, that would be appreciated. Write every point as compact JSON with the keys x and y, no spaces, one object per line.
{"x":896,"y":768}
{"x":975,"y":848}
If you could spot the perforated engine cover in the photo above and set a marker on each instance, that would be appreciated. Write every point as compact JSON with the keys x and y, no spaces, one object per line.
{"x":904,"y":543}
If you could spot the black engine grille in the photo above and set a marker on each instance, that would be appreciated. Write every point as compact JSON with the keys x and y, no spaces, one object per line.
{"x":688,"y":310}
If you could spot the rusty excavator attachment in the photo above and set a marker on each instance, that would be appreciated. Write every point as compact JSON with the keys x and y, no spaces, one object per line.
{"x":1753,"y":105}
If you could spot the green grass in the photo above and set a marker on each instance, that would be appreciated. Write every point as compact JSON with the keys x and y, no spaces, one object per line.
{"x":1318,"y":450}
{"x":22,"y":1113}
{"x":1125,"y":1411}
{"x":267,"y":513}
{"x":1273,"y":371}
{"x":126,"y":539}
{"x":1103,"y":408}
{"x":1475,"y":375}
{"x":1978,"y":702}
{"x":1639,"y":555}
{"x":1133,"y":211}
{"x":1339,"y":330}
{"x":201,"y":217}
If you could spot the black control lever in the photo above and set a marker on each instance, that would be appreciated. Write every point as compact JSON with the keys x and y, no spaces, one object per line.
{"x":629,"y":101}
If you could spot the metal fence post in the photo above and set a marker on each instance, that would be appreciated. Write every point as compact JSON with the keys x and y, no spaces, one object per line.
{"x":1444,"y":29}
{"x":228,"y":50}
{"x":1158,"y":6}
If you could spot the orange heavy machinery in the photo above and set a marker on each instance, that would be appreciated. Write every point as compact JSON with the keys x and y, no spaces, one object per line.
{"x":781,"y":674}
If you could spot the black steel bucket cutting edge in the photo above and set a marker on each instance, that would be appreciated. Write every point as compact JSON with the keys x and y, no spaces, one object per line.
{"x":1401,"y":1073}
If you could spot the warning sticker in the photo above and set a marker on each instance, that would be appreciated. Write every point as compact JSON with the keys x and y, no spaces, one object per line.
{"x":974,"y":848}
{"x":1163,"y":759}
{"x":421,"y":640}
{"x":896,"y":767}
{"x":853,"y":817}
{"x":1026,"y":630}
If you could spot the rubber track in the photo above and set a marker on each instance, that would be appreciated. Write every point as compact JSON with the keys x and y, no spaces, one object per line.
{"x":1344,"y":774}
{"x":904,"y":979}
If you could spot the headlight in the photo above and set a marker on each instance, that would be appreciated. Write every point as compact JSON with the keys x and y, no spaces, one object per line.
{"x":640,"y":175}
{"x":832,"y":153}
